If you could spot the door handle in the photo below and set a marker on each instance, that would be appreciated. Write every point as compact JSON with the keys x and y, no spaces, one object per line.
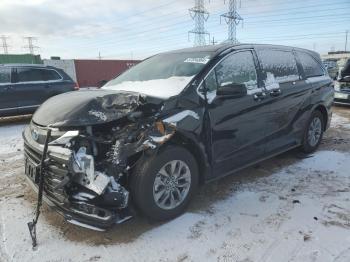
{"x":275,"y":92}
{"x":259,"y":96}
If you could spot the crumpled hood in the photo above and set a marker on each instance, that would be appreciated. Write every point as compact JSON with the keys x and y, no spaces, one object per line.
{"x":81,"y":108}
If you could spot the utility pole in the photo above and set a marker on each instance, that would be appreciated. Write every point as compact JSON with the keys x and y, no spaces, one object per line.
{"x":99,"y":56}
{"x":200,"y":15}
{"x":346,"y":39}
{"x":232,"y":18}
{"x":213,"y":41}
{"x":31,"y":47}
{"x":5,"y":45}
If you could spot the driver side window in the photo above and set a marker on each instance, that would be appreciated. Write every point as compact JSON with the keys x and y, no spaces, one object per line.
{"x":238,"y":68}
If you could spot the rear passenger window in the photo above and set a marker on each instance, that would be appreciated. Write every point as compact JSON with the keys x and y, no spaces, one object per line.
{"x":310,"y":65}
{"x":50,"y":75}
{"x":29,"y":75}
{"x":5,"y":75}
{"x":279,"y":66}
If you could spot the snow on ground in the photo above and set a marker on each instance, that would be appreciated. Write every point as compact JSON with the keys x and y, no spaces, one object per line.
{"x":339,"y":121}
{"x":289,"y":208}
{"x":11,"y":139}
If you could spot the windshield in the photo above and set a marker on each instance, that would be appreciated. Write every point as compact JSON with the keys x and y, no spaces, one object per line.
{"x":163,"y":75}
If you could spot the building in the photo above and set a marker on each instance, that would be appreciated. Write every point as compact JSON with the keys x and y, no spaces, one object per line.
{"x":20,"y":59}
{"x":336,"y":55}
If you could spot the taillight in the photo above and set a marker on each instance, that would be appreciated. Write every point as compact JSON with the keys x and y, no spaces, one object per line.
{"x":76,"y":86}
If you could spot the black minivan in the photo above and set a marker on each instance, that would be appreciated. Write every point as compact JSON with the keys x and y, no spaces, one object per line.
{"x":149,"y":137}
{"x":24,"y":87}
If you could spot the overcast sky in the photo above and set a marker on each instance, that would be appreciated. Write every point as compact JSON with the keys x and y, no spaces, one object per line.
{"x":139,"y":28}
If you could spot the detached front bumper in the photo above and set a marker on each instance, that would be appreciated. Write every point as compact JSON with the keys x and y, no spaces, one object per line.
{"x":78,"y":212}
{"x":90,"y":220}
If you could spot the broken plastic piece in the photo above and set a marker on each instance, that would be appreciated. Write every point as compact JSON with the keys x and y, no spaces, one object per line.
{"x":179,"y":116}
{"x":84,"y":167}
{"x":65,"y":138}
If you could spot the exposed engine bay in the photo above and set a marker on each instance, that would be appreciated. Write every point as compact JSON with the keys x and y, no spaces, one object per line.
{"x":101,"y":161}
{"x":81,"y":149}
{"x":92,"y":152}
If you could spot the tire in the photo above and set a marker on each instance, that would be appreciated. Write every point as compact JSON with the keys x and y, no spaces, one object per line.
{"x":315,"y":127}
{"x":148,"y":183}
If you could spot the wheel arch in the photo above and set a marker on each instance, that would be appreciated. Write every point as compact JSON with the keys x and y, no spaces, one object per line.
{"x":196,"y":149}
{"x":321,"y":108}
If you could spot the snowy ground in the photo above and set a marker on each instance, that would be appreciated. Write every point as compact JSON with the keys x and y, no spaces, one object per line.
{"x":289,"y":208}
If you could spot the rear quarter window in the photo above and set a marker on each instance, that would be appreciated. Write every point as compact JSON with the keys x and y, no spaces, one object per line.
{"x":311,"y":67}
{"x":279,"y":66}
{"x":50,"y":75}
{"x":5,"y":75}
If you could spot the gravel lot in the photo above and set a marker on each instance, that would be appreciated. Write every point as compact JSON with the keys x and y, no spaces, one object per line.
{"x":290,"y":208}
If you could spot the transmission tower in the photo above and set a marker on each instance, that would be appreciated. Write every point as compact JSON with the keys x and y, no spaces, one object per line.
{"x":4,"y":45}
{"x":232,"y":18}
{"x":200,"y":15}
{"x":31,"y":47}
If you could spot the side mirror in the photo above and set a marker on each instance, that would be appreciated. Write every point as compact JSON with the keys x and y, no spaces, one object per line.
{"x":233,"y":90}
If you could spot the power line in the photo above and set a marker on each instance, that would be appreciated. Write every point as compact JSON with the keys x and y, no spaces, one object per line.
{"x":261,"y":21}
{"x":31,"y":47}
{"x":164,"y":46}
{"x":5,"y":45}
{"x":168,"y":18}
{"x":300,"y":21}
{"x":176,"y":18}
{"x":251,"y":24}
{"x":232,"y":18}
{"x":200,"y":15}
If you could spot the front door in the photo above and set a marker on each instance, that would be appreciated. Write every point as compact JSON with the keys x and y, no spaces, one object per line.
{"x":237,"y":123}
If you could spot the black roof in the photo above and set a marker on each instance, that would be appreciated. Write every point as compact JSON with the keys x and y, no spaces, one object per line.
{"x":26,"y":65}
{"x":216,"y":49}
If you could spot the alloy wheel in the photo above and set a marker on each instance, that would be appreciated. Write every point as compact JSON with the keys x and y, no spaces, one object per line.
{"x":315,"y":131}
{"x":172,"y":184}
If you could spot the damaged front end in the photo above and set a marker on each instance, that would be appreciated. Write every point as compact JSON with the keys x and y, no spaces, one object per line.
{"x":87,"y":169}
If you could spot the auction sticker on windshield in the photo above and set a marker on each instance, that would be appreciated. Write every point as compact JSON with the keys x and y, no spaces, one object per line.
{"x":198,"y":60}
